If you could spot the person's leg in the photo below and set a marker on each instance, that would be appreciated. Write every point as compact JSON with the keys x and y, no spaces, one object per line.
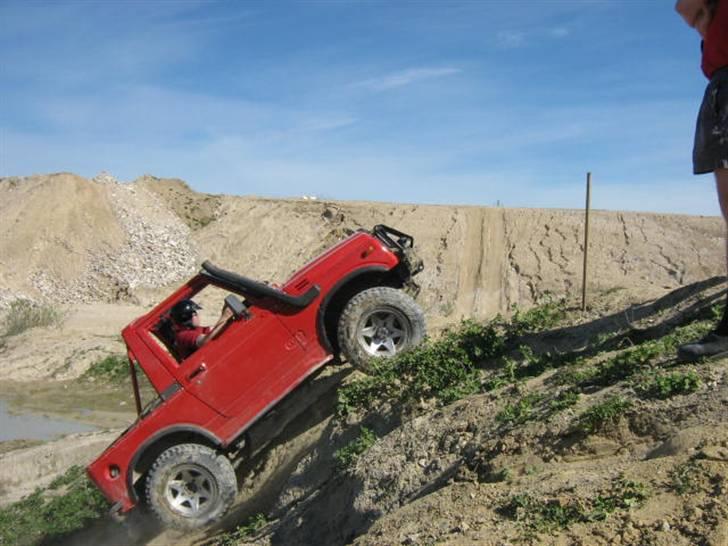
{"x":710,"y":154}
{"x":721,"y":183}
{"x":716,"y":342}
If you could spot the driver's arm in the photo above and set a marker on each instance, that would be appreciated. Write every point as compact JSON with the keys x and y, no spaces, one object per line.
{"x":225,"y":316}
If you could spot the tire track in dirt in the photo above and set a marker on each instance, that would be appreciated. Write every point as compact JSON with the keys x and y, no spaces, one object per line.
{"x":482,"y":276}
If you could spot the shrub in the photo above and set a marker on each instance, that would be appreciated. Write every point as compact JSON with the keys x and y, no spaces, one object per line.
{"x":347,"y":456}
{"x":564,"y":400}
{"x":113,"y":368}
{"x":665,"y":386}
{"x":684,"y":478}
{"x":25,"y":314}
{"x":545,"y":516}
{"x":520,"y":412}
{"x":444,"y":369}
{"x":601,"y":416}
{"x":242,"y":532}
{"x":547,"y":314}
{"x":449,"y":368}
{"x":542,"y":516}
{"x":69,"y":503}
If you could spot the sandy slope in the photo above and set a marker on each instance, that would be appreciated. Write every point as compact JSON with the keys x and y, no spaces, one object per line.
{"x":107,"y":251}
{"x":70,"y":239}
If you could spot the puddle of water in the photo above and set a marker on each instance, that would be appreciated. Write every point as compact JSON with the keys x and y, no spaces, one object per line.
{"x":35,"y":427}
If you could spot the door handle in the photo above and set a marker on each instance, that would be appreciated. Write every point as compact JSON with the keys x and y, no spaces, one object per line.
{"x":200,"y":369}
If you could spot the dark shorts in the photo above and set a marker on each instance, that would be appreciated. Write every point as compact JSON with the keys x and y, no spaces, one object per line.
{"x":711,"y":133}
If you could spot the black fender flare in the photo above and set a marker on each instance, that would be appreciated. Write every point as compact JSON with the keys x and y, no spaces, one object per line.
{"x":158,"y":436}
{"x":331,"y":294}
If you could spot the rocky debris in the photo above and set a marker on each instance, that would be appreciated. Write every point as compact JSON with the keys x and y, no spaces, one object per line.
{"x":157,"y":251}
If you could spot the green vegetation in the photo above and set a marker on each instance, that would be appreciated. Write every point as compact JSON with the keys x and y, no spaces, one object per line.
{"x":243,"y":532}
{"x":632,"y":361}
{"x":627,"y":494}
{"x":449,"y":368}
{"x":546,"y":516}
{"x":541,"y":317}
{"x":602,"y":416}
{"x":521,"y":411}
{"x":564,"y":400}
{"x":684,"y":477}
{"x":24,"y":315}
{"x":113,"y":368}
{"x":668,"y":385}
{"x":539,"y":516}
{"x":69,"y":503}
{"x":347,"y":456}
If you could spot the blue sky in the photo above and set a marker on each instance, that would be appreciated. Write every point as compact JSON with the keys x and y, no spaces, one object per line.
{"x":508,"y":101}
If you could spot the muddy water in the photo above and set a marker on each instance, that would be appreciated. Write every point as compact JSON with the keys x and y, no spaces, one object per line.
{"x":44,"y":410}
{"x":35,"y":427}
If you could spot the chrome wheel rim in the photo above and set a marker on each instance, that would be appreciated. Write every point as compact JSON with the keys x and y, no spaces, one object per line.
{"x":191,"y":490}
{"x":383,"y":331}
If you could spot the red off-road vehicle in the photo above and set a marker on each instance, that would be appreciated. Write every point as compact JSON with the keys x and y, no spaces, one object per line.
{"x":180,"y":455}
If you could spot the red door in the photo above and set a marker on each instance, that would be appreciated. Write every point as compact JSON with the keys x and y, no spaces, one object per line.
{"x":246,"y":368}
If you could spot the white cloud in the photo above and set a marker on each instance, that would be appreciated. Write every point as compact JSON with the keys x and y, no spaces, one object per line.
{"x":559,"y":32}
{"x":405,"y":77}
{"x":511,"y":39}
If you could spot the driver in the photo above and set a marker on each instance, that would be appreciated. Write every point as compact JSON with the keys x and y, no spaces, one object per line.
{"x":189,"y":335}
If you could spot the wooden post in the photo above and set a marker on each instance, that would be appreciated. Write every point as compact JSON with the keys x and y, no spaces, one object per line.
{"x":586,"y":241}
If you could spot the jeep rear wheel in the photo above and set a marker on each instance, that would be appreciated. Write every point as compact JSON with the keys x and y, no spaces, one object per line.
{"x":190,"y":485}
{"x":379,"y":322}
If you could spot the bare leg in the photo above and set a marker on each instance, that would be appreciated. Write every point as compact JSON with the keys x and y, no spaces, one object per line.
{"x":721,"y":183}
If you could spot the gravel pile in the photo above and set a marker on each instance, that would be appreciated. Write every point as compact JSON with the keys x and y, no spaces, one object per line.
{"x":157,"y":252}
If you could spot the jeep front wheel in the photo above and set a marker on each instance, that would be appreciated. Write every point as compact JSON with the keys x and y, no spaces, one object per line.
{"x":190,"y":485}
{"x":379,"y":322}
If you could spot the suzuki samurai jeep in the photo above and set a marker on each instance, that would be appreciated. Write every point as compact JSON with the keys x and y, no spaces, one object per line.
{"x":179,"y":456}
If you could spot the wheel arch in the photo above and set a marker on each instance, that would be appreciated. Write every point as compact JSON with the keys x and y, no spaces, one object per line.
{"x":348,"y":287}
{"x":155,"y":445}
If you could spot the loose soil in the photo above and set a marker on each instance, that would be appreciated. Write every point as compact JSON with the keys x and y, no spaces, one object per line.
{"x":437,"y":475}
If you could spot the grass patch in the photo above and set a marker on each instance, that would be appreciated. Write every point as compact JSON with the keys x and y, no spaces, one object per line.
{"x":25,"y":314}
{"x":668,"y":385}
{"x":347,"y":456}
{"x":603,"y":416}
{"x":113,"y":368}
{"x":538,"y":516}
{"x":243,"y":532}
{"x":68,"y":504}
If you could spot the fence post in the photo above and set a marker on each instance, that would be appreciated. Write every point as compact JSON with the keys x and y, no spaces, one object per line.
{"x":586,"y":241}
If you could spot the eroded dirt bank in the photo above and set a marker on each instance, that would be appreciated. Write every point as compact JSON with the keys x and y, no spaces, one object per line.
{"x":436,"y":473}
{"x":121,"y":242}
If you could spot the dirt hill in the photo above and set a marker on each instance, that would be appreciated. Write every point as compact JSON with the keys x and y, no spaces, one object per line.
{"x":521,"y":454}
{"x":68,"y":239}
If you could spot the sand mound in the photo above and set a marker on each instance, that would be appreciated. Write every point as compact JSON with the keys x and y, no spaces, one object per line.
{"x":71,"y":240}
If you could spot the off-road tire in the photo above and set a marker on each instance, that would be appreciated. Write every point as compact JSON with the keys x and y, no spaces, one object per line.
{"x":379,"y":322}
{"x":190,"y":486}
